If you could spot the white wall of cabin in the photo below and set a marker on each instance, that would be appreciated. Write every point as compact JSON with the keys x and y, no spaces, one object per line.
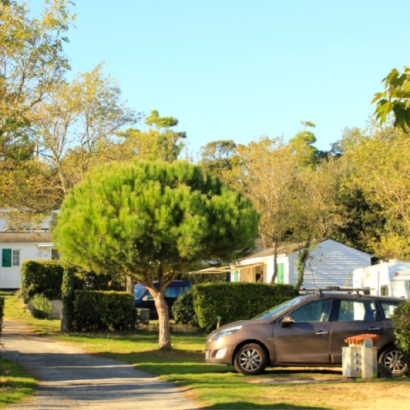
{"x":10,"y":277}
{"x":329,"y":264}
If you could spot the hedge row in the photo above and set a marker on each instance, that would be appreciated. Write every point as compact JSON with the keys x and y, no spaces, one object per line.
{"x":1,"y":313}
{"x":46,"y":277}
{"x":236,"y":301}
{"x":43,"y":277}
{"x":102,"y":310}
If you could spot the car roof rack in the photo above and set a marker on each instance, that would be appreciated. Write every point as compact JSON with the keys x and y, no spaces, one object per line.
{"x":335,"y":289}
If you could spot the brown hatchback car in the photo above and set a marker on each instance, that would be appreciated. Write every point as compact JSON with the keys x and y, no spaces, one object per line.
{"x":307,"y":331}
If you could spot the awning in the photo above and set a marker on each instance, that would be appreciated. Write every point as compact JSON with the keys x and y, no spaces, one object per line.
{"x":46,"y":246}
{"x":226,"y":269}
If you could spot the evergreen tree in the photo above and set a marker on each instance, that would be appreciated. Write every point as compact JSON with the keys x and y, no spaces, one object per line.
{"x":153,"y":221}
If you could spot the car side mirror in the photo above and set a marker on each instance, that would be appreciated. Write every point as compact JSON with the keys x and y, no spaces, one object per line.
{"x":287,"y":321}
{"x":145,"y":299}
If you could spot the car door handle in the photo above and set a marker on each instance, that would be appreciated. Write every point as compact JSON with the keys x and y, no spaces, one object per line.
{"x":321,"y":333}
{"x":373,"y":328}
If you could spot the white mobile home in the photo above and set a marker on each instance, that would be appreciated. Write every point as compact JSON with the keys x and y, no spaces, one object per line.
{"x":15,"y":248}
{"x":385,"y":279}
{"x":329,"y":264}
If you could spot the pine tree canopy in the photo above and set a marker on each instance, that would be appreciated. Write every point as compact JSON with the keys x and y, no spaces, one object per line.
{"x":142,"y":217}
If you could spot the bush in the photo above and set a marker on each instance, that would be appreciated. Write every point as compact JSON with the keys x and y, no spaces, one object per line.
{"x":102,"y":310}
{"x":42,"y":306}
{"x":183,"y":309}
{"x":401,"y":326}
{"x":41,"y":277}
{"x":236,"y":301}
{"x":1,"y":313}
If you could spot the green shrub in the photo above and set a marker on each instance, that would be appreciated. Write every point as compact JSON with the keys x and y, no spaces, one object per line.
{"x":42,"y":306}
{"x":1,"y":313}
{"x":401,"y":325}
{"x":183,"y":309}
{"x":41,"y":277}
{"x":236,"y":301}
{"x":102,"y":310}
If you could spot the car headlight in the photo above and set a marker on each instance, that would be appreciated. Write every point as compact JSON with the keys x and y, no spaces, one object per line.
{"x":226,"y":332}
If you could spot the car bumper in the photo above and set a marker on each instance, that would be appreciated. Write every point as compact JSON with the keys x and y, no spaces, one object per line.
{"x":219,"y":354}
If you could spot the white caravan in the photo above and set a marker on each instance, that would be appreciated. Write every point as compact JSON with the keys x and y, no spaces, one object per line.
{"x":386,"y":279}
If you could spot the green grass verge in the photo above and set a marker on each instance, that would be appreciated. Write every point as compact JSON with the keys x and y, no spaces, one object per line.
{"x":220,"y":387}
{"x":16,"y":383}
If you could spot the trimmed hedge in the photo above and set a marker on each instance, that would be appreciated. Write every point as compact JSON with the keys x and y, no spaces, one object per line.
{"x":102,"y":310}
{"x":183,"y":309}
{"x":236,"y":301}
{"x":43,"y":277}
{"x":1,"y":313}
{"x":401,"y":325}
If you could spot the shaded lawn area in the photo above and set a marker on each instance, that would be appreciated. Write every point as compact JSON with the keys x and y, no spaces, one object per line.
{"x":15,"y":383}
{"x":220,"y":387}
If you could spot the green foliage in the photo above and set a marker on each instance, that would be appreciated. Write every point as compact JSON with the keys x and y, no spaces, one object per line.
{"x":395,"y":99}
{"x":1,"y":313}
{"x":183,"y":309}
{"x":401,"y":324}
{"x":217,"y":156}
{"x":303,"y":256}
{"x":103,"y":310}
{"x":145,"y":218}
{"x":42,"y":306}
{"x":236,"y":301}
{"x":43,"y":277}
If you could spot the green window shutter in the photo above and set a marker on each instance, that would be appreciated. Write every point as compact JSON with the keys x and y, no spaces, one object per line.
{"x":6,"y":254}
{"x":281,"y":276}
{"x":235,"y":276}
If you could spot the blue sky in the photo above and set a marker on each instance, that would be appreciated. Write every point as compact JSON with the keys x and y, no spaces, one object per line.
{"x":236,"y":69}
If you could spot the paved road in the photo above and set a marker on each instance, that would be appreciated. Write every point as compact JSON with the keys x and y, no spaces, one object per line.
{"x":73,"y":379}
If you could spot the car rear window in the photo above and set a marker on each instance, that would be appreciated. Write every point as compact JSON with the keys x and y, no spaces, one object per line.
{"x":388,"y":308}
{"x":357,"y":310}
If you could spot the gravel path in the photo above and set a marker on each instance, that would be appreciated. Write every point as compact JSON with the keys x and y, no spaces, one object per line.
{"x":72,"y":379}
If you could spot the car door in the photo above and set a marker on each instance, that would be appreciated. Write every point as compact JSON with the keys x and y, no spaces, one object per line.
{"x":353,"y":317}
{"x":307,"y":339}
{"x":388,"y":308}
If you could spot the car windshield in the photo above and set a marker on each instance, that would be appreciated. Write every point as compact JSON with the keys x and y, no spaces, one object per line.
{"x":139,"y":292}
{"x":277,"y":309}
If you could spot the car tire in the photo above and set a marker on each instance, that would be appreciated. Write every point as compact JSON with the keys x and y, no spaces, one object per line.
{"x":251,"y":359}
{"x":392,"y":358}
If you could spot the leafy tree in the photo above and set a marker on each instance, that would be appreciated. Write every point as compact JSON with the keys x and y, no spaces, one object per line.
{"x":153,"y":221}
{"x":31,"y":63}
{"x":217,"y":157}
{"x":303,"y":142}
{"x":382,"y":161}
{"x":265,"y":172}
{"x":158,"y":142}
{"x":395,"y":99}
{"x":77,"y":121}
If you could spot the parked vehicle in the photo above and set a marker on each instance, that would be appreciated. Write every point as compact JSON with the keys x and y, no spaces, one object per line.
{"x":143,"y":298}
{"x":385,"y":279}
{"x":307,"y":331}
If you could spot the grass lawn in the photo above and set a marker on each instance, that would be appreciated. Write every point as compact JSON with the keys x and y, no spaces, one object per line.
{"x":15,"y":383}
{"x":220,"y":387}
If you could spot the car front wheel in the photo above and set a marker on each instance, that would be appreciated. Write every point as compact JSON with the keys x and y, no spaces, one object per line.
{"x":392,"y":358}
{"x":251,"y":359}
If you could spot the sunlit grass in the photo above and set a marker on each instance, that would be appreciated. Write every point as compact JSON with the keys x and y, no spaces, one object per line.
{"x":16,"y":383}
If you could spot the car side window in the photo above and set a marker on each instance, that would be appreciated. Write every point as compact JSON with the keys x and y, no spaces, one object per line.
{"x":171,"y":292}
{"x":357,"y":310}
{"x":388,"y":308}
{"x":317,"y":311}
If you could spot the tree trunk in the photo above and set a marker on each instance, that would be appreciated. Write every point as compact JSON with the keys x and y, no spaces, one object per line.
{"x":129,"y":285}
{"x":163,"y":321}
{"x":65,"y":319}
{"x":275,"y":262}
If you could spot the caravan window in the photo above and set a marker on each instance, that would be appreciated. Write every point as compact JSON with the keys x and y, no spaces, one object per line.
{"x":407,"y":288}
